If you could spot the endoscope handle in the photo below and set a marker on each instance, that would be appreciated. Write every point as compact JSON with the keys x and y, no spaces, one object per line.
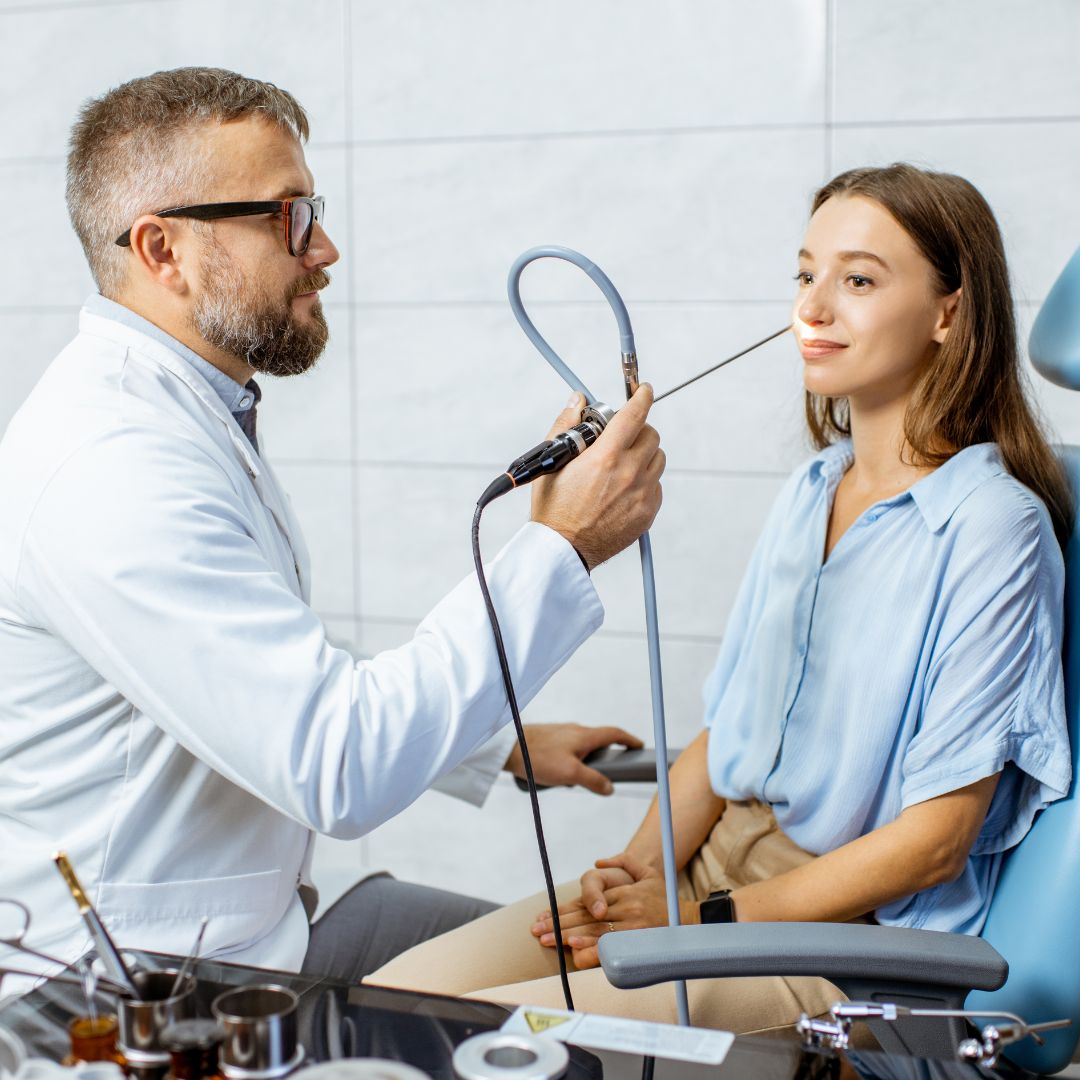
{"x":535,"y":452}
{"x":551,"y":455}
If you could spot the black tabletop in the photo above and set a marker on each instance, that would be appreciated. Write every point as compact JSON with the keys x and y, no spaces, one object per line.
{"x":336,"y":1020}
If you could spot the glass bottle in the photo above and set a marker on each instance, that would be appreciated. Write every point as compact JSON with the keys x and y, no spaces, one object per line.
{"x":94,"y":1038}
{"x":193,"y":1049}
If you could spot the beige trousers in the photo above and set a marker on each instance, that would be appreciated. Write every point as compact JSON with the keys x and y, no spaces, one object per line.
{"x":496,"y":958}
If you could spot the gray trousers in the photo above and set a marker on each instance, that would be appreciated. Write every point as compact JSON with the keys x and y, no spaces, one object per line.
{"x":378,"y":918}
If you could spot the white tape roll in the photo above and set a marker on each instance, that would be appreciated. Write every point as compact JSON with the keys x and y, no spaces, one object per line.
{"x":498,"y":1055}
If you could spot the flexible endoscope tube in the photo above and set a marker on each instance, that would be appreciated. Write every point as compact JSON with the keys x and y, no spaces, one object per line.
{"x":602,"y":281}
{"x":626,"y":342}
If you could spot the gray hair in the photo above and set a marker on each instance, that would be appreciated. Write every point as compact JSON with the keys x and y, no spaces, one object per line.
{"x":132,"y":152}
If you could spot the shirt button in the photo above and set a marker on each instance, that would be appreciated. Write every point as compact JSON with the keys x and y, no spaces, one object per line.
{"x":245,"y":401}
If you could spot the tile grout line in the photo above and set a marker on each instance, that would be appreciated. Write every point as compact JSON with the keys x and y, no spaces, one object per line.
{"x":353,"y":373}
{"x":408,"y":305}
{"x":406,"y":621}
{"x":68,"y":5}
{"x":830,"y":76}
{"x":350,"y":326}
{"x":630,"y":133}
{"x":487,"y":468}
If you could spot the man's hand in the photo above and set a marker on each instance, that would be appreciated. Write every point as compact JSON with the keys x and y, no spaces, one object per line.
{"x":606,"y":498}
{"x":556,"y":752}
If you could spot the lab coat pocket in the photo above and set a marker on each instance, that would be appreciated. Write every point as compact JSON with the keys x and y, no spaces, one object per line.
{"x":164,"y":916}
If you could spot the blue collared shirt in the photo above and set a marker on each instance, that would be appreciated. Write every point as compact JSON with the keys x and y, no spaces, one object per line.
{"x":924,"y":654}
{"x":239,"y":400}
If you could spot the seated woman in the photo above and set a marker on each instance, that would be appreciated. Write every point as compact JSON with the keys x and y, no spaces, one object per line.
{"x":886,"y":716}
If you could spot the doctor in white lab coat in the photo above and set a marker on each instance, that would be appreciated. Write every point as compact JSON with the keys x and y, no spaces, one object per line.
{"x":171,"y":711}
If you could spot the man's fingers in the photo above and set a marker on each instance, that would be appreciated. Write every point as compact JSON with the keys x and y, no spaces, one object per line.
{"x":593,"y":781}
{"x":624,"y":426}
{"x":598,"y":737}
{"x":569,"y":417}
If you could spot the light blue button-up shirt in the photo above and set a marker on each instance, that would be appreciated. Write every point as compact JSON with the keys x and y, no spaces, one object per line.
{"x":923,"y":655}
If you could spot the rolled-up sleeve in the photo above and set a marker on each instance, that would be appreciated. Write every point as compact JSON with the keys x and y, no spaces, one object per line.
{"x":993,"y":699}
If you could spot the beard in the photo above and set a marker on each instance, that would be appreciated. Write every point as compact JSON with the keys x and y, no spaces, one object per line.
{"x":240,"y":317}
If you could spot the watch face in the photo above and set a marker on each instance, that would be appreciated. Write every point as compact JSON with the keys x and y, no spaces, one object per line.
{"x":719,"y":908}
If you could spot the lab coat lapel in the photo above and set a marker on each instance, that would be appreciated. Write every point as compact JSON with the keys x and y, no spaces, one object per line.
{"x":260,"y":473}
{"x":279,"y":504}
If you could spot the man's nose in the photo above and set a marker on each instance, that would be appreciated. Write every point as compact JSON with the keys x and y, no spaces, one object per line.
{"x":321,"y":251}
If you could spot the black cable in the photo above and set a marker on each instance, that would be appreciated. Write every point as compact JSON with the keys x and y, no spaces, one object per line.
{"x":529,"y":778}
{"x":648,"y":1064}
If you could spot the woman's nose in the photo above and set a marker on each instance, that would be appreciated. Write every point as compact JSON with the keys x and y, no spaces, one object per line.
{"x":811,"y":307}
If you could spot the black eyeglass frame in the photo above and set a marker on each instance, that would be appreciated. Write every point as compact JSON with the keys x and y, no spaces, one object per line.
{"x":217,"y":211}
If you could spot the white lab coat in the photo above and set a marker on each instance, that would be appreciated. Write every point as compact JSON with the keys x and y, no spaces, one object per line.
{"x":171,"y":712}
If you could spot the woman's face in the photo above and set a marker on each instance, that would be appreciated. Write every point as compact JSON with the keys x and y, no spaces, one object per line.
{"x":866,"y":316}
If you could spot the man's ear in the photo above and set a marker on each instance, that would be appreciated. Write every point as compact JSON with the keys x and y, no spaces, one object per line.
{"x":948,"y":313}
{"x":157,"y":253}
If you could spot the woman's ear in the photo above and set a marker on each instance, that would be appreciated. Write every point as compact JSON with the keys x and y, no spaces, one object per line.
{"x":949,"y":305}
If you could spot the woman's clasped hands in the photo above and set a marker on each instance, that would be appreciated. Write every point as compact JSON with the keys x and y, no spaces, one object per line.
{"x":621,"y":893}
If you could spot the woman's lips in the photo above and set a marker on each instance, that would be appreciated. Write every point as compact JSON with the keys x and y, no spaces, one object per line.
{"x":816,"y":348}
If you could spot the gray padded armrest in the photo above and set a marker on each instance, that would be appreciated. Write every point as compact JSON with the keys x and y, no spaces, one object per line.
{"x":633,"y":958}
{"x":622,"y":766}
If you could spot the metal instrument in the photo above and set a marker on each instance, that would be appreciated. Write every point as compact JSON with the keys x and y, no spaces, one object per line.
{"x":836,"y":1034}
{"x":190,"y":959}
{"x":106,"y":949}
{"x":14,"y":925}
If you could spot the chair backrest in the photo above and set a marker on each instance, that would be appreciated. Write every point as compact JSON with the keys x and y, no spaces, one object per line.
{"x":1034,"y":919}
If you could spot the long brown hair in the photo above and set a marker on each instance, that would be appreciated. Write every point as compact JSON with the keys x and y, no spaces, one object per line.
{"x":973,"y":391}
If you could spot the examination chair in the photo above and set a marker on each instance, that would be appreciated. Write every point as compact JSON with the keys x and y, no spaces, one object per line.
{"x":1027,"y":960}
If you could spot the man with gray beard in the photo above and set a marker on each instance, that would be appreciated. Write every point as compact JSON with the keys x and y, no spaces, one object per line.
{"x":171,"y":711}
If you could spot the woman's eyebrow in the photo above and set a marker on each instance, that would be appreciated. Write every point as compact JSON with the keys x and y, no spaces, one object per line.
{"x":849,"y":256}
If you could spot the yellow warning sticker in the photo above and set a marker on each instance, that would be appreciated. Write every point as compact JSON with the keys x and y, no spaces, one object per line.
{"x":540,"y":1021}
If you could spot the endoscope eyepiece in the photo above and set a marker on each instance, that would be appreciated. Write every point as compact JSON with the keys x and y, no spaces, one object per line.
{"x":550,"y":456}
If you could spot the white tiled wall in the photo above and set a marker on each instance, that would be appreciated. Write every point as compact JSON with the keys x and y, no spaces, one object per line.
{"x":677,"y":144}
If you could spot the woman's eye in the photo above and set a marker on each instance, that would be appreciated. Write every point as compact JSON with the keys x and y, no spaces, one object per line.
{"x":804,"y":278}
{"x":858,"y":281}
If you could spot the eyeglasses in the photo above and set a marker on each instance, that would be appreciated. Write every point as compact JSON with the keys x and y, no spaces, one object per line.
{"x":299,"y":215}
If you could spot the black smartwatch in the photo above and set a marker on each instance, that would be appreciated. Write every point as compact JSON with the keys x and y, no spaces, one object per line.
{"x":719,"y":908}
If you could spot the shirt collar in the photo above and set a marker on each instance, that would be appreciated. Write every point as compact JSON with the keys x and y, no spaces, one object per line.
{"x":936,"y":496}
{"x":236,"y":398}
{"x":832,"y":462}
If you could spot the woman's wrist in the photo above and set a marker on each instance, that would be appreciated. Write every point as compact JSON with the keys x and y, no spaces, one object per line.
{"x":689,"y":912}
{"x":651,"y":856}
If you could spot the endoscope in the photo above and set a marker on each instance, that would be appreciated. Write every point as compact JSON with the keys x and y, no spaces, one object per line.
{"x":548,"y":457}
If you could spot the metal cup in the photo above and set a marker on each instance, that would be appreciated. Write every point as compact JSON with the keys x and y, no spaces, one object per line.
{"x":260,"y":1031}
{"x":142,"y":1022}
